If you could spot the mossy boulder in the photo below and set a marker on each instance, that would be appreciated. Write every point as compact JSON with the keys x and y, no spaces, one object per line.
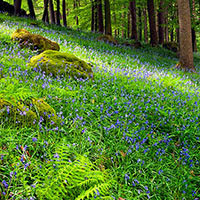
{"x":27,"y":113}
{"x":108,"y":39}
{"x":34,"y":41}
{"x":61,"y":64}
{"x":173,"y":46}
{"x":134,"y":44}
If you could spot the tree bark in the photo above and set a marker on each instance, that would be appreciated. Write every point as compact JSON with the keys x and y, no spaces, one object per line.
{"x":100,"y":16}
{"x":161,"y":22}
{"x":186,"y":53}
{"x":58,"y":13}
{"x":45,"y":17}
{"x":17,"y":7}
{"x":140,"y":23}
{"x":31,"y":9}
{"x":51,"y":10}
{"x":129,"y":20}
{"x":108,"y":29}
{"x":132,"y":6}
{"x":95,"y":16}
{"x":152,"y":22}
{"x":145,"y":26}
{"x":64,"y":13}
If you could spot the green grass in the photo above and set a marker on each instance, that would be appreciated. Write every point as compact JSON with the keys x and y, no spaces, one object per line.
{"x":137,"y":123}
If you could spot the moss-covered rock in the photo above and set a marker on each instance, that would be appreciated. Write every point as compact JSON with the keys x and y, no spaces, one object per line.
{"x":173,"y":46}
{"x":61,"y":64}
{"x":34,"y":41}
{"x":134,"y":44}
{"x":27,"y":113}
{"x":107,"y":38}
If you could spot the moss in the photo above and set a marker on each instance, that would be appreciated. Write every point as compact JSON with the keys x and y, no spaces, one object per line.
{"x":34,"y":41}
{"x":27,"y":113}
{"x":135,"y":44}
{"x":173,"y":46}
{"x":57,"y":63}
{"x":107,"y":38}
{"x":45,"y":111}
{"x":16,"y":113}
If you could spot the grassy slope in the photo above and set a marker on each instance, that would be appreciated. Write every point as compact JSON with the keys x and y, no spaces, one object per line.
{"x":139,"y":118}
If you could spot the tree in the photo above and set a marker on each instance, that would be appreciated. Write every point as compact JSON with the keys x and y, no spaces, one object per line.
{"x":108,"y":29}
{"x":152,"y":22}
{"x":161,"y":22}
{"x":31,"y":9}
{"x":45,"y":17}
{"x":132,"y":6}
{"x":17,"y":7}
{"x":64,"y":13}
{"x":51,"y":10}
{"x":100,"y":16}
{"x":186,"y":53}
{"x":58,"y":13}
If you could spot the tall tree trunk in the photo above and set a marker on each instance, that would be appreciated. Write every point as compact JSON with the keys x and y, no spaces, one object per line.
{"x":129,"y":20}
{"x":17,"y":7}
{"x":45,"y":14}
{"x":76,"y":6}
{"x":132,"y":6}
{"x":152,"y":22}
{"x":92,"y":21}
{"x":108,"y":29}
{"x":145,"y":26}
{"x":140,"y":23}
{"x":64,"y":13}
{"x":58,"y":13}
{"x":161,"y":22}
{"x":100,"y":16}
{"x":186,"y":53}
{"x":166,"y":25}
{"x":31,"y":9}
{"x":51,"y":10}
{"x":96,"y":15}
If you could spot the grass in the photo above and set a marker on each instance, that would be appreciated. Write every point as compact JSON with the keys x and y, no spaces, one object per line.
{"x":137,"y":121}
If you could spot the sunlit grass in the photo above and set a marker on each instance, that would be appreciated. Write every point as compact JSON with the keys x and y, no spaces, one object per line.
{"x":138,"y":118}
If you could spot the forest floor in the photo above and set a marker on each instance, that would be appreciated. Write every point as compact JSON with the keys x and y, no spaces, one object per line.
{"x":132,"y":132}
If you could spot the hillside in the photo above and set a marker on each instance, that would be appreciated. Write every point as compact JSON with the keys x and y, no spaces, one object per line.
{"x":131,"y":132}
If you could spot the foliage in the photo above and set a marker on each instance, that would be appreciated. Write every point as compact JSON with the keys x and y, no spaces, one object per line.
{"x":136,"y":123}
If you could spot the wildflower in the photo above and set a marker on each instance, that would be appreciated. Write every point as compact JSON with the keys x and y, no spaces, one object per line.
{"x":34,"y":139}
{"x":5,"y":184}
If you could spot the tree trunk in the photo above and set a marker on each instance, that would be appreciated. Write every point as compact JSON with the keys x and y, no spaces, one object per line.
{"x":100,"y":16}
{"x":140,"y":23}
{"x":95,"y":16}
{"x":92,"y":21}
{"x":108,"y":29}
{"x":17,"y":7}
{"x":132,"y":6}
{"x":45,"y":17}
{"x":186,"y":53}
{"x":129,"y":20}
{"x":64,"y":13}
{"x":51,"y":10}
{"x":161,"y":22}
{"x":166,"y":25}
{"x":58,"y":13}
{"x":145,"y":26}
{"x":152,"y":22}
{"x":31,"y":9}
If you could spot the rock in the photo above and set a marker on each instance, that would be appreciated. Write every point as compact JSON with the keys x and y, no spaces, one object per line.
{"x":173,"y":46}
{"x":135,"y":44}
{"x":107,"y":38}
{"x":35,"y":41}
{"x":27,"y":113}
{"x":61,"y":64}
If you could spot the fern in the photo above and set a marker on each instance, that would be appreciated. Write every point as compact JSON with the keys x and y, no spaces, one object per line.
{"x":72,"y":177}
